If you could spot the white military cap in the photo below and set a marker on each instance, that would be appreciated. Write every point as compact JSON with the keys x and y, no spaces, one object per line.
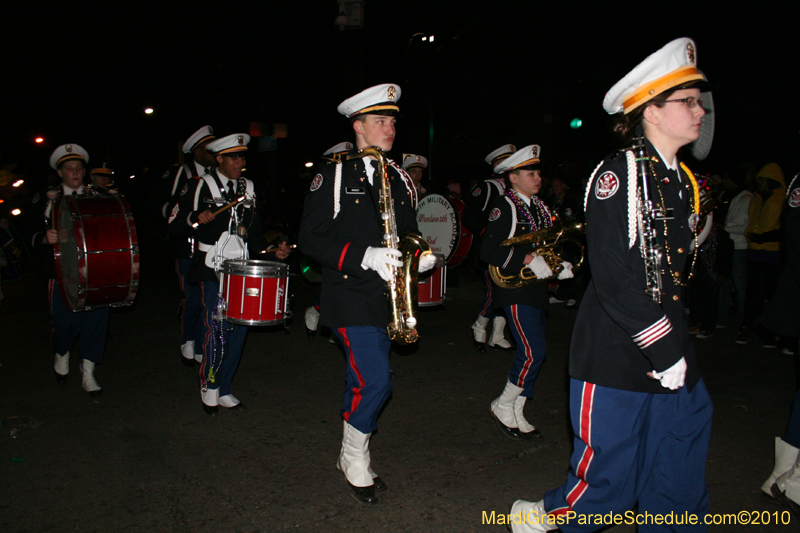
{"x":339,"y":149}
{"x":500,"y":154}
{"x":229,"y":144}
{"x":521,"y":158}
{"x":379,"y":100}
{"x":672,"y":66}
{"x":200,"y":136}
{"x":67,"y":152}
{"x":414,"y":160}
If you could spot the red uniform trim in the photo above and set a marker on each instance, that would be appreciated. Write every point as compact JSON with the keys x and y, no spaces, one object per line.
{"x":341,"y":257}
{"x":205,"y":362}
{"x":585,"y":428}
{"x":351,"y":360}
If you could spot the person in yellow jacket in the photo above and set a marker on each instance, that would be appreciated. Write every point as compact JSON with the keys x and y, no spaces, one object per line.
{"x":763,"y":248}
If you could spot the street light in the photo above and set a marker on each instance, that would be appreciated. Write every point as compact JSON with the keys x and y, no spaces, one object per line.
{"x":17,"y":183}
{"x":15,"y":212}
{"x":148,"y":110}
{"x":39,"y":140}
{"x":309,"y":164}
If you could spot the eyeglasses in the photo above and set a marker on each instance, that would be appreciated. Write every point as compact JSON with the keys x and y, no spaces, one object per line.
{"x":690,"y":101}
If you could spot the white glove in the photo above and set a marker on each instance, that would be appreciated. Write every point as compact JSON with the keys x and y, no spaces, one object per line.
{"x":567,"y":272}
{"x":379,"y":260}
{"x":539,"y":267}
{"x":673,"y":377}
{"x":426,"y":262}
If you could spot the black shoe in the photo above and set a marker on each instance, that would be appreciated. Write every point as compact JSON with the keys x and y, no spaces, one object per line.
{"x":238,"y":407}
{"x":511,"y":348}
{"x":511,"y":433}
{"x":95,"y":394}
{"x":531,"y":435}
{"x":188,"y":363}
{"x":210,"y":410}
{"x":364,"y":495}
{"x":60,"y":379}
{"x":480,"y":346}
{"x":380,"y":486}
{"x":310,"y":332}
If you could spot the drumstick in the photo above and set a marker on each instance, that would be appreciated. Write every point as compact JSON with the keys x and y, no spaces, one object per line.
{"x":276,"y":249}
{"x":223,"y":208}
{"x":51,"y":197}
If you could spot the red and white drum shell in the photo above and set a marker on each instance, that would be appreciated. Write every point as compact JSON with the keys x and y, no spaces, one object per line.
{"x":439,"y":221}
{"x":255,"y":292}
{"x":432,"y":285}
{"x":97,"y":253}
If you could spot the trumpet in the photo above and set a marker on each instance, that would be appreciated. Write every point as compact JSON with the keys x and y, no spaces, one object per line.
{"x":547,"y":243}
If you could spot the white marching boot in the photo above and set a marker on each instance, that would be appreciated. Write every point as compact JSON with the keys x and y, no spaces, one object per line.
{"x":785,"y":456}
{"x":530,"y":517}
{"x":354,"y":462}
{"x":311,"y":321}
{"x":526,"y":428}
{"x":479,"y":333}
{"x":61,"y":368}
{"x":187,"y":354}
{"x":502,"y":410}
{"x":498,"y":340}
{"x":787,"y":487}
{"x":231,"y":403}
{"x":88,"y":382}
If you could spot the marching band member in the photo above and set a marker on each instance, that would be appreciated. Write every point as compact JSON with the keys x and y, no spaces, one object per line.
{"x":414,"y":165}
{"x":334,"y":153}
{"x":518,"y":212}
{"x":640,"y":411}
{"x":476,"y":215}
{"x":342,"y":229}
{"x":175,"y":183}
{"x":219,"y":237}
{"x":69,"y":161}
{"x":102,"y":178}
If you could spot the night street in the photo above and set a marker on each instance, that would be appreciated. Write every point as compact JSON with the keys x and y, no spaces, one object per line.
{"x":145,"y":458}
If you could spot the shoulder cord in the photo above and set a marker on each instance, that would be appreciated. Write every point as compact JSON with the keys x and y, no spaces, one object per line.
{"x":337,"y":184}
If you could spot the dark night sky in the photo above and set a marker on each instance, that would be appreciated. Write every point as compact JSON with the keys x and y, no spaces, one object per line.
{"x":506,"y":72}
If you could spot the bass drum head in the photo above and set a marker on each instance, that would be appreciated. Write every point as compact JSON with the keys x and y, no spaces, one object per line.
{"x":439,"y":224}
{"x":66,"y":250}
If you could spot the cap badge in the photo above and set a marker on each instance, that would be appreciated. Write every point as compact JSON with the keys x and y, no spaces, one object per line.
{"x":210,"y":130}
{"x":68,"y":148}
{"x":240,"y":139}
{"x":391,"y":92}
{"x":417,"y":159}
{"x":690,"y":53}
{"x":535,"y":151}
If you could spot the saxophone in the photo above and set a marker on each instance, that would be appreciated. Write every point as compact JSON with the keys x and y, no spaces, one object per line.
{"x":402,"y":289}
{"x":649,"y":247}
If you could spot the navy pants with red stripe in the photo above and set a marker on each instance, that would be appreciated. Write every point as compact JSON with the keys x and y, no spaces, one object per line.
{"x":223,"y":359}
{"x":67,"y":326}
{"x":487,"y":309}
{"x":635,"y":448}
{"x":527,"y":326}
{"x":191,"y":307}
{"x":368,"y":376}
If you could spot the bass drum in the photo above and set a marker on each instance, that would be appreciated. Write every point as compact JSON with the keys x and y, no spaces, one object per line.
{"x":97,"y":253}
{"x":439,"y":221}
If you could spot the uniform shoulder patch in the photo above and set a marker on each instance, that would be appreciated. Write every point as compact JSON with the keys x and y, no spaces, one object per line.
{"x":494,"y":214}
{"x":166,"y":174}
{"x":606,"y":185}
{"x":794,"y":198}
{"x":316,"y":183}
{"x":185,"y":189}
{"x":476,"y":191}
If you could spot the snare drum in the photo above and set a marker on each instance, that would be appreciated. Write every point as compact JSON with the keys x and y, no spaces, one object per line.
{"x":439,"y":221}
{"x":431,"y":290}
{"x":97,"y":253}
{"x":255,"y":291}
